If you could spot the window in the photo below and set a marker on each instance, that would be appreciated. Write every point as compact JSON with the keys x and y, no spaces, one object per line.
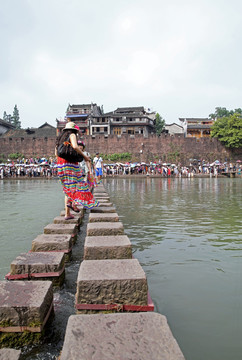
{"x":117,"y":131}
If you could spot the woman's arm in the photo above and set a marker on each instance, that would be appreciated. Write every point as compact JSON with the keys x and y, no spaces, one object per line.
{"x":75,"y":146}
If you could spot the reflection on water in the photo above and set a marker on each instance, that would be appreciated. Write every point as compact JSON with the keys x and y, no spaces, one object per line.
{"x":180,"y":229}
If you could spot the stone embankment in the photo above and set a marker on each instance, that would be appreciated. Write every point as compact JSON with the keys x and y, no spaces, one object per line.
{"x":115,"y":316}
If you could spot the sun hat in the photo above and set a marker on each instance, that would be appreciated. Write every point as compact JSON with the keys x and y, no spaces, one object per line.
{"x":71,"y":126}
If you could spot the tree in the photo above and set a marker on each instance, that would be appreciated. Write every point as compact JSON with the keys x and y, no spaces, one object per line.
{"x":159,"y":124}
{"x":7,"y":118}
{"x":220,"y":112}
{"x":15,"y":118}
{"x":228,"y":129}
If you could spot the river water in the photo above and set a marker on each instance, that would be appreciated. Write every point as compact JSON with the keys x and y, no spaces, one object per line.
{"x":187,"y":235}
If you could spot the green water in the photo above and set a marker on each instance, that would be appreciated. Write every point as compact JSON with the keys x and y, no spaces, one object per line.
{"x":187,"y":235}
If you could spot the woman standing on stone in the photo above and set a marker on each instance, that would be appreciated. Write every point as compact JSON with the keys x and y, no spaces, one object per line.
{"x":77,"y":191}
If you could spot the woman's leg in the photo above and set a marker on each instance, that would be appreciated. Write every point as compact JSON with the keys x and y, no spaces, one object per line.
{"x":67,"y":209}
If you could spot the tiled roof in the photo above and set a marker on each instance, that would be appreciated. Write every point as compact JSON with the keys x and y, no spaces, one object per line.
{"x":137,"y":109}
{"x":6,"y":124}
{"x":31,"y":132}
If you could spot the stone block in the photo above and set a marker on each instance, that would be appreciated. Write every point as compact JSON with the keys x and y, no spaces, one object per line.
{"x":103,"y":209}
{"x":25,"y":305}
{"x":103,"y":217}
{"x":103,"y":204}
{"x":107,"y":247}
{"x":55,"y":242}
{"x":71,"y":229}
{"x":104,"y":200}
{"x":105,"y":228}
{"x":136,"y":336}
{"x":61,"y":220}
{"x":80,"y":214}
{"x":9,"y":354}
{"x":99,"y":188}
{"x":111,"y":282}
{"x":100,"y":195}
{"x":38,"y":265}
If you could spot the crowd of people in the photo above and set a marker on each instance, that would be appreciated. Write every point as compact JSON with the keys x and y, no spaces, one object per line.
{"x":47,"y":168}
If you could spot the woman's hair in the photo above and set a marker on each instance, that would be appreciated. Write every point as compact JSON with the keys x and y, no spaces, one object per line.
{"x":63,"y":136}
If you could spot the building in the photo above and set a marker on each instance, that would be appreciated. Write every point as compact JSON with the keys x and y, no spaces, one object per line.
{"x":31,"y":141}
{"x":5,"y":126}
{"x":82,"y":115}
{"x":197,"y":127}
{"x":174,"y":129}
{"x":126,"y":120}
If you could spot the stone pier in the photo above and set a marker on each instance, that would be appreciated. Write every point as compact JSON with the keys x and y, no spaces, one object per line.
{"x":107,"y":247}
{"x":103,"y":217}
{"x":62,"y":229}
{"x":38,"y":266}
{"x":121,"y":282}
{"x":25,"y":307}
{"x":53,"y":243}
{"x":9,"y":354}
{"x":103,"y":209}
{"x":141,"y":336}
{"x":105,"y":228}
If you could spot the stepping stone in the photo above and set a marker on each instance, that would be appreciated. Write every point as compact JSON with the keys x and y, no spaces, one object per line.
{"x":99,"y":188}
{"x":103,"y":204}
{"x":55,"y":243}
{"x":9,"y":354}
{"x":62,"y":229}
{"x":111,"y":282}
{"x":61,"y":220}
{"x":38,"y":265}
{"x":100,"y":217}
{"x":137,"y":336}
{"x":107,"y":247}
{"x":105,"y":228}
{"x":99,"y":194}
{"x":103,"y":209}
{"x":104,"y":200}
{"x":80,"y":214}
{"x":25,"y":306}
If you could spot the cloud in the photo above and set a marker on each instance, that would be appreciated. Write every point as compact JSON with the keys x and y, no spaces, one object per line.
{"x":175,"y":57}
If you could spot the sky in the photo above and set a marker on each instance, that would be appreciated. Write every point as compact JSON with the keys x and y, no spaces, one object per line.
{"x":177,"y":58}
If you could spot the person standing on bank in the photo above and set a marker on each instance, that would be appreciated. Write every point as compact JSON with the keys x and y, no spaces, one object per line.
{"x":77,"y":191}
{"x":98,"y":165}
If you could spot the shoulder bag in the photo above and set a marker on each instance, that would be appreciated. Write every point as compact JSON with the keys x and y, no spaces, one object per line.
{"x":66,"y":151}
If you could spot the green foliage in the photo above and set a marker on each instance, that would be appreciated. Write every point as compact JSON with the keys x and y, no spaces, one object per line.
{"x":15,"y":156}
{"x":15,"y":118}
{"x":117,"y":157}
{"x":228,"y":129}
{"x":159,"y":124}
{"x":223,"y":112}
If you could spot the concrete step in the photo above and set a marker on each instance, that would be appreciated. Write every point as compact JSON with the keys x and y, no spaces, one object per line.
{"x":61,"y":220}
{"x":9,"y":354}
{"x":103,"y":217}
{"x":111,"y":282}
{"x":38,"y":265}
{"x":80,"y":214}
{"x":105,"y":228}
{"x":62,"y":229}
{"x":107,"y":247}
{"x":104,"y":200}
{"x":24,"y":306}
{"x":103,"y":209}
{"x":53,"y":242}
{"x":137,"y":336}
